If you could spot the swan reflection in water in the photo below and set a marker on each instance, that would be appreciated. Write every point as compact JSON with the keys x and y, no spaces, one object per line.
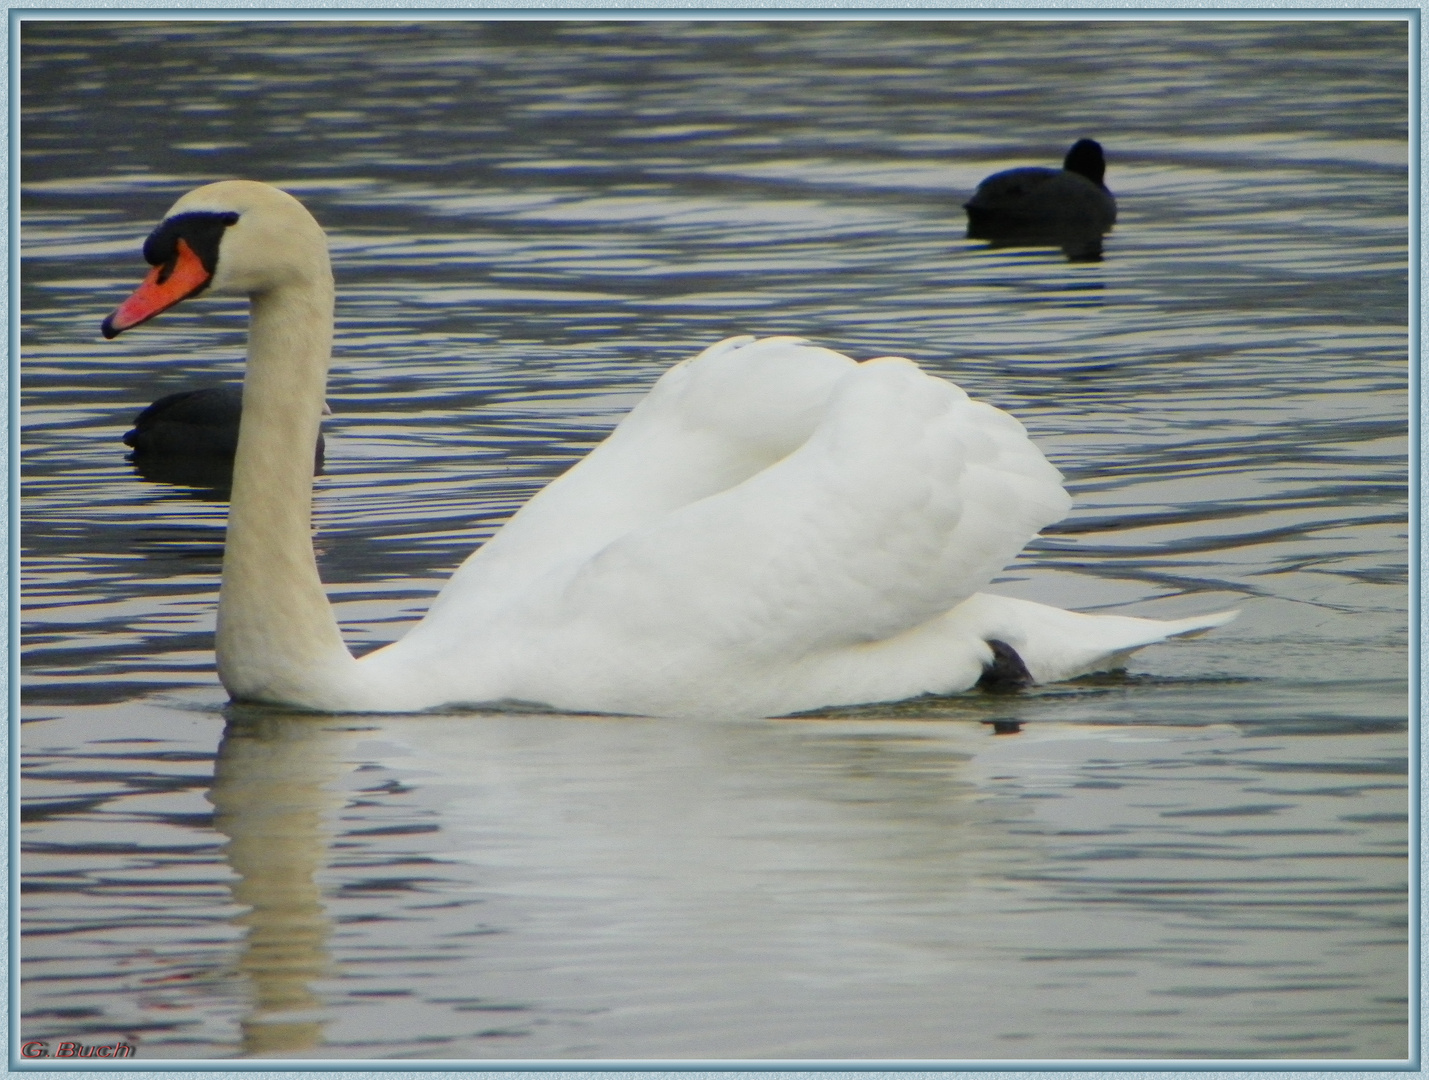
{"x":661,"y":827}
{"x":274,"y":800}
{"x":1068,"y":208}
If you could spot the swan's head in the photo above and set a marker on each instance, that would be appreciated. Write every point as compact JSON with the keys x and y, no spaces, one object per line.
{"x":233,"y":238}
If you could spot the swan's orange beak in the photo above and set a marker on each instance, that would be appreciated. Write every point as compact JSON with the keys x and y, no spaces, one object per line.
{"x":165,"y":286}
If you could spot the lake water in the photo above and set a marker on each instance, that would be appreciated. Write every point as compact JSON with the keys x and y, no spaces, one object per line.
{"x":1204,"y":860}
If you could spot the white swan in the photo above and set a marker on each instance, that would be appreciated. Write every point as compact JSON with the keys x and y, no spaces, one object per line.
{"x":773,"y":528}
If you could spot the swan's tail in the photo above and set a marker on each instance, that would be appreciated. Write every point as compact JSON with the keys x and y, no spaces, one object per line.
{"x":1194,"y":626}
{"x":1054,"y":644}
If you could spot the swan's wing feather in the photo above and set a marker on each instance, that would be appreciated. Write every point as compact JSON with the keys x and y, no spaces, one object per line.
{"x":708,"y":424}
{"x":905,"y":500}
{"x":790,"y":588}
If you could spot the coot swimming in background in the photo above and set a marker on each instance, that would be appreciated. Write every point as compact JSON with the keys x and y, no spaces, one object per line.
{"x":190,"y":437}
{"x":1033,"y":206}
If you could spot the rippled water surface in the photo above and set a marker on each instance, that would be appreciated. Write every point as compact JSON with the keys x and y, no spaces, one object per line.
{"x":1205,"y":858}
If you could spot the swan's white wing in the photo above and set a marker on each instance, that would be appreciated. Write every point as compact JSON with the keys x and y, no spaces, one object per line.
{"x":708,"y":424}
{"x":905,"y":500}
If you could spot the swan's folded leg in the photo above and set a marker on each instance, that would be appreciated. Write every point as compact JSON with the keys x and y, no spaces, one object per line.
{"x":1054,"y":644}
{"x":1005,"y":671}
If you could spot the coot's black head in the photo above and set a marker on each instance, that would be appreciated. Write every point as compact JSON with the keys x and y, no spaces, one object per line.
{"x":1085,"y":157}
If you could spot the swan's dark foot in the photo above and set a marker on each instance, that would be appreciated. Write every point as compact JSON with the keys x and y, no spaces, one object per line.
{"x":1006,"y":673}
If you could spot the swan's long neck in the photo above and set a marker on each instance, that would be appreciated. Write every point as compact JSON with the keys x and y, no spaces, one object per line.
{"x":277,"y":638}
